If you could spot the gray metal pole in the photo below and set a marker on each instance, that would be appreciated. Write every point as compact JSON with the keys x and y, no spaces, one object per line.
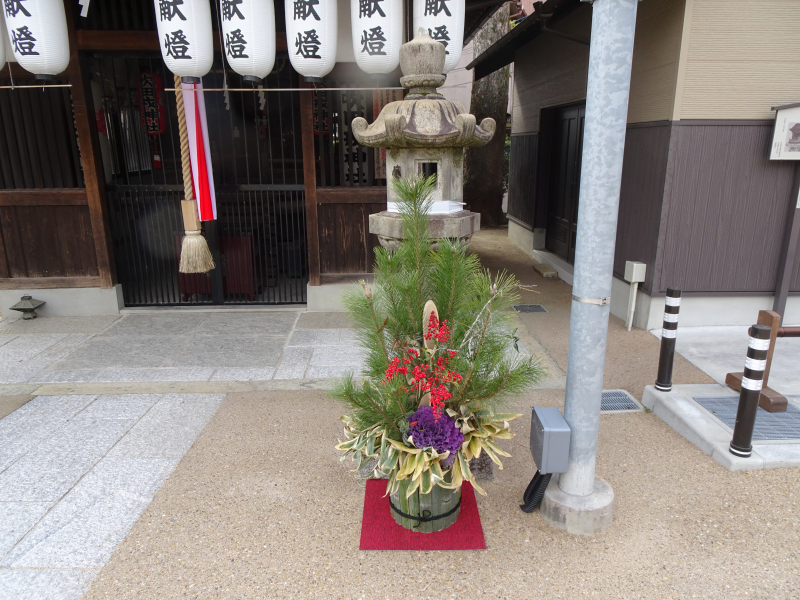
{"x":613,"y":26}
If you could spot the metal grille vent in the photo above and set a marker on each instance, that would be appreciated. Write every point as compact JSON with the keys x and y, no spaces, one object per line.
{"x":530,"y":308}
{"x":618,"y":401}
{"x":769,"y":426}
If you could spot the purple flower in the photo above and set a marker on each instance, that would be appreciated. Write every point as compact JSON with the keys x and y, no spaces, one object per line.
{"x":441,"y":434}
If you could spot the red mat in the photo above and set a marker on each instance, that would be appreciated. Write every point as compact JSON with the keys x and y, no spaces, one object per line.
{"x":380,"y":532}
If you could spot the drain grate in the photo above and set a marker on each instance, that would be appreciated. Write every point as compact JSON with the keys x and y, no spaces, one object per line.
{"x":618,"y":401}
{"x":769,"y":426}
{"x":530,"y":308}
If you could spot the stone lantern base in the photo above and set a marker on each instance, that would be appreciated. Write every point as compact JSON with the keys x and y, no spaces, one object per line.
{"x":388,"y":226}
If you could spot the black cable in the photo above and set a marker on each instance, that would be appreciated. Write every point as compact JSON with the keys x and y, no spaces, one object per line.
{"x":535,"y":491}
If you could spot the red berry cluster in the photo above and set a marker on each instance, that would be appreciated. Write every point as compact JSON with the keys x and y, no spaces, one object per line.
{"x":427,"y":376}
{"x":436,"y":330}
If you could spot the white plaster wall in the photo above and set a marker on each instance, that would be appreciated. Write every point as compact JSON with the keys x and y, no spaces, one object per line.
{"x":65,"y":301}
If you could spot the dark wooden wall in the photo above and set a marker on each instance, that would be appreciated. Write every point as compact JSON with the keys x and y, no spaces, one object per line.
{"x":643,"y":173}
{"x":45,"y":225}
{"x":346,"y":246}
{"x":46,"y":235}
{"x":522,"y":178}
{"x":725,"y":209}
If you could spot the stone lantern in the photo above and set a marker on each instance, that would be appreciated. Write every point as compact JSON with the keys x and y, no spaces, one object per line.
{"x":425,"y":134}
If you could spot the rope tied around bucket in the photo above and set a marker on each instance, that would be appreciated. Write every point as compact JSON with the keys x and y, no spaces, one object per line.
{"x":426,"y":518}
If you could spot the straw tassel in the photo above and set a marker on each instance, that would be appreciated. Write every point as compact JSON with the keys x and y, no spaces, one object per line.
{"x":195,"y":255}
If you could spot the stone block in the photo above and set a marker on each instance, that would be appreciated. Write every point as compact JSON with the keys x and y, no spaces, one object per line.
{"x":579,"y":515}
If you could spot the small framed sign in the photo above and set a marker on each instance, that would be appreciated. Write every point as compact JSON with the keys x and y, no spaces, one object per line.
{"x":786,"y":136}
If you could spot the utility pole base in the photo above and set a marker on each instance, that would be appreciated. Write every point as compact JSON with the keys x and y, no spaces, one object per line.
{"x":579,"y":515}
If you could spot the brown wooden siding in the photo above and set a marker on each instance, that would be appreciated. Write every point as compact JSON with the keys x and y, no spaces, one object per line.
{"x":522,"y":178}
{"x":38,"y":143}
{"x":345,"y":244}
{"x":46,"y":241}
{"x":643,"y":174}
{"x":725,"y":207}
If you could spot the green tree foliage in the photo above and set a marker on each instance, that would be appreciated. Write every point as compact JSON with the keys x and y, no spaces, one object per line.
{"x":388,"y":317}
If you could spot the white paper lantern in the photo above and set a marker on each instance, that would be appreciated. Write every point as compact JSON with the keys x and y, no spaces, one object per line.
{"x":377,"y":34}
{"x":184,"y":29}
{"x":248,"y":31}
{"x":37,"y":30}
{"x":9,"y":53}
{"x":311,"y":31}
{"x":444,"y":20}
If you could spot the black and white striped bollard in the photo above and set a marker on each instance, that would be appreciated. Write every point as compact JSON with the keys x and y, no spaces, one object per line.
{"x":752,"y":380}
{"x":668,"y":334}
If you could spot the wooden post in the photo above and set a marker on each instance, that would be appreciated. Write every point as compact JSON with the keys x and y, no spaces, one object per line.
{"x":93,"y":175}
{"x":310,"y":181}
{"x":769,"y":400}
{"x":772,"y":320}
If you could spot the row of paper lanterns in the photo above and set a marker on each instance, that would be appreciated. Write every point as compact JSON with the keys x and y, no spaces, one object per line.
{"x":248,"y":32}
{"x":37,"y":31}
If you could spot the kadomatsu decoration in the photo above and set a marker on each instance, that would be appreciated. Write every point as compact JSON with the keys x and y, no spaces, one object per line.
{"x":440,"y":360}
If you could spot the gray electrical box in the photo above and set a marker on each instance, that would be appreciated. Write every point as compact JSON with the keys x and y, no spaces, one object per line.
{"x":549,"y":439}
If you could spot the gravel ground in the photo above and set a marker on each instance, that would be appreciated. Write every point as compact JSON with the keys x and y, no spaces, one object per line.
{"x":261,"y":507}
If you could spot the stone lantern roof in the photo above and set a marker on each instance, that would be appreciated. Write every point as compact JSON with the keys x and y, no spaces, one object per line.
{"x":424,"y":119}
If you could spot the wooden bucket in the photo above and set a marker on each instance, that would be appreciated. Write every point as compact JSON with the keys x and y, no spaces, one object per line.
{"x":425,"y":513}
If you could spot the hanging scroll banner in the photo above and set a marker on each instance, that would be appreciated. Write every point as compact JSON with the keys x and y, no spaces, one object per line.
{"x":37,"y":30}
{"x":248,"y":29}
{"x":377,"y":27}
{"x":184,"y":30}
{"x":151,"y":103}
{"x":444,"y":21}
{"x":197,"y":130}
{"x":311,"y":34}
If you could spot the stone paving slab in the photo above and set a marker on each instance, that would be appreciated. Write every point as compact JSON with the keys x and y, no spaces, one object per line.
{"x":237,"y":374}
{"x":85,"y":527}
{"x":231,"y":351}
{"x":127,"y":351}
{"x":25,"y":347}
{"x":320,"y":337}
{"x":323,"y":372}
{"x":18,"y":518}
{"x":5,"y":338}
{"x":79,"y":375}
{"x":98,"y":462}
{"x":169,"y":428}
{"x":294,"y":363}
{"x":34,"y":422}
{"x":50,"y":470}
{"x":265,"y":323}
{"x":122,"y":374}
{"x":175,"y":346}
{"x":156,"y":324}
{"x":333,"y":356}
{"x":50,"y":584}
{"x":120,"y":406}
{"x":323,"y":320}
